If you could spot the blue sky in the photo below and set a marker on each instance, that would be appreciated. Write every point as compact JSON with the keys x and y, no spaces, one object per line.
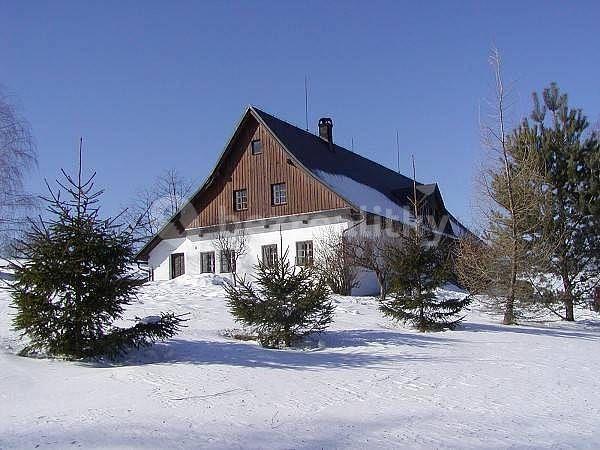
{"x":156,"y":85}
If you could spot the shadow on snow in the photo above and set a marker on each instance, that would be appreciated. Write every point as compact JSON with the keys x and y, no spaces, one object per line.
{"x":371,"y":338}
{"x":204,"y":352}
{"x":558,"y":332}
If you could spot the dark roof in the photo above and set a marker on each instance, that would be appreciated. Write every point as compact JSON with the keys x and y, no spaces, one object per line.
{"x":314,"y":153}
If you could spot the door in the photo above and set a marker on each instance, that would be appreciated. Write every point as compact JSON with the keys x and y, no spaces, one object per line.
{"x":177,"y":265}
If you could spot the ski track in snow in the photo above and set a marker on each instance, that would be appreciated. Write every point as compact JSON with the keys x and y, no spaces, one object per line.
{"x":367,"y":383}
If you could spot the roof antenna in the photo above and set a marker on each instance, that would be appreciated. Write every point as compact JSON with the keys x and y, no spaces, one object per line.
{"x":306,"y":100}
{"x":398,"y":149}
{"x":415,"y":203}
{"x":352,"y":144}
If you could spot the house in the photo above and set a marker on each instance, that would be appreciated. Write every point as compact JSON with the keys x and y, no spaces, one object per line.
{"x":284,"y":186}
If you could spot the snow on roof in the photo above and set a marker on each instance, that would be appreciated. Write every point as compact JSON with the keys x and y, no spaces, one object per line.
{"x":364,"y":197}
{"x":458,"y":229}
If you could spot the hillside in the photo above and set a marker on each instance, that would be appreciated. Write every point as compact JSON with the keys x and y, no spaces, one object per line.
{"x":366,"y":383}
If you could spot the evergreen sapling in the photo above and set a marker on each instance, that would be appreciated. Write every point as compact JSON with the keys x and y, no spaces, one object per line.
{"x":419,"y":265}
{"x":283,"y":304}
{"x":75,"y":279}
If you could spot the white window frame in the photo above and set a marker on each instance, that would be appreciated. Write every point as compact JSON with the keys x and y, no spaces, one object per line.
{"x":279,"y":194}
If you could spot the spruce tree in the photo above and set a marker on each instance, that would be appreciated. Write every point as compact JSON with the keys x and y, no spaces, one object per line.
{"x":75,"y":279}
{"x":282,"y":304}
{"x":420,"y":263}
{"x":419,"y":267}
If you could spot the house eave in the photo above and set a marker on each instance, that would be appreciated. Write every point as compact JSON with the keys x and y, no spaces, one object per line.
{"x":346,"y":213}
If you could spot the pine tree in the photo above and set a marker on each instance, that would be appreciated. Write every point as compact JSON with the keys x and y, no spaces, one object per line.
{"x":283,"y":304}
{"x":76,"y":279}
{"x":569,"y":164}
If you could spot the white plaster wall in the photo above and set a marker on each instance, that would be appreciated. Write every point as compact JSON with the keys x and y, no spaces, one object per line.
{"x":192,"y":246}
{"x":367,"y":283}
{"x":291,"y":232}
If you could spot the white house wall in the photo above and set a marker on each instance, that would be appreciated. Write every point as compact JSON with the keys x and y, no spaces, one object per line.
{"x":192,"y":246}
{"x":292,"y":232}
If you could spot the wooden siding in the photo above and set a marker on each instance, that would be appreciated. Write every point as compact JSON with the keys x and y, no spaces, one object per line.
{"x":256,"y":173}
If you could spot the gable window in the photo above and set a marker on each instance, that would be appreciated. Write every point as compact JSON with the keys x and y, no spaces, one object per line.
{"x":227,"y":261}
{"x":279,"y":194}
{"x":240,"y":199}
{"x":177,"y":265}
{"x":304,"y":253}
{"x":256,"y":147}
{"x":207,"y":262}
{"x":269,"y":254}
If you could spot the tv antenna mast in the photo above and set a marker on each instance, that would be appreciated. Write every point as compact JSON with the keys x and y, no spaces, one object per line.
{"x":306,"y":100}
{"x":398,"y":149}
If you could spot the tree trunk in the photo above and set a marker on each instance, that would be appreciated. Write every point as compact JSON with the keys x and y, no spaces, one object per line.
{"x":568,"y":300}
{"x":509,"y":311}
{"x":509,"y":308}
{"x":569,"y":310}
{"x":382,"y":286}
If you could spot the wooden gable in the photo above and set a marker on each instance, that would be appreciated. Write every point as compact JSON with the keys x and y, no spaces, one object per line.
{"x":240,"y":169}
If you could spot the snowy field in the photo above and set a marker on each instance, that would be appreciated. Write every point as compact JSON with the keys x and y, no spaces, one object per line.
{"x":366,"y":383}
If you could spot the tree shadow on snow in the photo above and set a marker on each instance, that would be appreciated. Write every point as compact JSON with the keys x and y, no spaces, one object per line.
{"x":558,"y":332}
{"x":201,"y":352}
{"x":370,"y":338}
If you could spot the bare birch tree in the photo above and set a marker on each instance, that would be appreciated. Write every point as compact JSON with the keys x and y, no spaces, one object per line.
{"x":333,"y":263}
{"x":231,"y":244}
{"x":173,"y":189}
{"x":154,"y":205}
{"x":17,"y":156}
{"x":368,"y":249}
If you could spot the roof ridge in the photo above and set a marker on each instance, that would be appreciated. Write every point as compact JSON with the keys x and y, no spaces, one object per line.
{"x":260,"y":111}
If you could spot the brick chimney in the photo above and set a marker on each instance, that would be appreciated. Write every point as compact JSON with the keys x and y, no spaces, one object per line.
{"x":326,"y":130}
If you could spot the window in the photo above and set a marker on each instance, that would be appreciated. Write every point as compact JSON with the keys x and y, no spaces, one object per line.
{"x":269,"y":254}
{"x":304,"y":253}
{"x":256,"y":147}
{"x":240,"y":199}
{"x":207,"y":262}
{"x":227,"y":261}
{"x":278,"y":194}
{"x":177,"y":265}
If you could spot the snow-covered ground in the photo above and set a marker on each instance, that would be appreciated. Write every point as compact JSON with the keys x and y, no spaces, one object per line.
{"x":365,"y":383}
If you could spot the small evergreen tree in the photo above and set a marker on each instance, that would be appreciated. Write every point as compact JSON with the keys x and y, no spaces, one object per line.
{"x":419,"y":267}
{"x":76,"y":279}
{"x":284,"y":304}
